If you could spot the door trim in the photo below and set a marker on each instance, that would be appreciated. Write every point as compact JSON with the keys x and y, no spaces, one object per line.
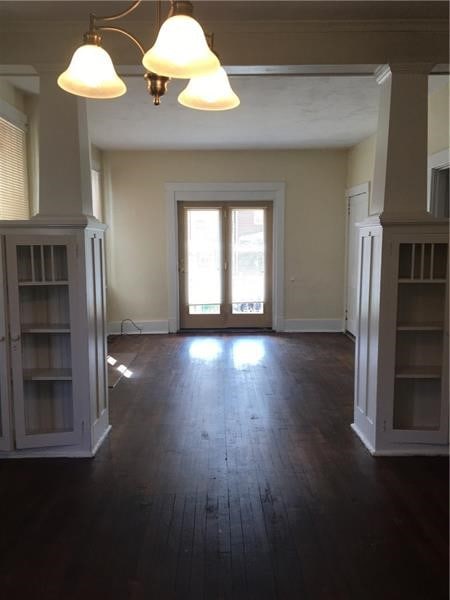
{"x":357,"y":190}
{"x":226,"y":192}
{"x":436,"y":162}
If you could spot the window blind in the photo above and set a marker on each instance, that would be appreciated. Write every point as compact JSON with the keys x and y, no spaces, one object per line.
{"x":13,"y":172}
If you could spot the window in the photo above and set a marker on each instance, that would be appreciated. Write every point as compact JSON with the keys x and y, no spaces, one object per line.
{"x":96,"y":194}
{"x":13,"y":172}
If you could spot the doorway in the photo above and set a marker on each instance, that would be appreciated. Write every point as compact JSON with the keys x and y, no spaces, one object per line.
{"x":225,"y":265}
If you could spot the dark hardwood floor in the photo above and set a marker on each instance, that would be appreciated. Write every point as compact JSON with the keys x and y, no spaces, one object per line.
{"x":231,"y":472}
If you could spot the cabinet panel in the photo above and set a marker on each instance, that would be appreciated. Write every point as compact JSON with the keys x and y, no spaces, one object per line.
{"x":5,"y":425}
{"x":100,"y":320}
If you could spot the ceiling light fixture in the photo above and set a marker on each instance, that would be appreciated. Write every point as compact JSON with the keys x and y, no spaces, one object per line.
{"x":181,"y":51}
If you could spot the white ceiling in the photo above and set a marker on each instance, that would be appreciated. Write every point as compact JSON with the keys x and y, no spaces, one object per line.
{"x":276,"y":112}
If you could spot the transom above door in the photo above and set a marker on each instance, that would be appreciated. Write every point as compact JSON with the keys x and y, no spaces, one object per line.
{"x":225,"y":264}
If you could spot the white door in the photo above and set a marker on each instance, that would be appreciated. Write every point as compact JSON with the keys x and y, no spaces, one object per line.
{"x":225,"y":257}
{"x":358,"y":210}
{"x":4,"y":362}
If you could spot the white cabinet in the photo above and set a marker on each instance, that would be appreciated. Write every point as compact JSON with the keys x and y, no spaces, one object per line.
{"x":401,"y":377}
{"x":54,"y":402}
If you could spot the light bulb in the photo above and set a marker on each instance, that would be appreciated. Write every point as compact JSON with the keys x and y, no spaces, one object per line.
{"x":209,"y":92}
{"x":91,"y":74}
{"x":180,"y":50}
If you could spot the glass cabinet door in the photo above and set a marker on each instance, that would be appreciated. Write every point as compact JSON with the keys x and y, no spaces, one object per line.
{"x":41,"y":272}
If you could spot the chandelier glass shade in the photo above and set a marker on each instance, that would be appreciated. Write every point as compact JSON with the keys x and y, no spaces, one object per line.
{"x":180,"y":50}
{"x":209,"y":92}
{"x":91,"y":74}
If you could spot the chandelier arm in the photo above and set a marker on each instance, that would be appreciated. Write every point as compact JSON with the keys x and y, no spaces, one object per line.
{"x":125,"y":33}
{"x":124,"y":13}
{"x":158,"y":14}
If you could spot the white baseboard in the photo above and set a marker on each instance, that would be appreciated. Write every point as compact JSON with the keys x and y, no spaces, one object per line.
{"x":101,"y":439}
{"x":47,"y":453}
{"x":313,"y":325}
{"x":422,"y":450}
{"x":286,"y":325}
{"x":146,"y":326}
{"x":363,"y":439}
{"x":406,"y":450}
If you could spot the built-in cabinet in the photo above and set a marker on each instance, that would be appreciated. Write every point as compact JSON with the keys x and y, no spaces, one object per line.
{"x":53,"y":349}
{"x":421,"y":356}
{"x":401,"y":377}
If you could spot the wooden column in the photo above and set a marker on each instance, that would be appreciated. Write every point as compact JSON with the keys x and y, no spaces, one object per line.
{"x":64,"y":152}
{"x":400,"y":173}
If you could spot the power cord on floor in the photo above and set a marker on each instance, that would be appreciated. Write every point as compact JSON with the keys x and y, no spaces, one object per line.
{"x":129,"y":321}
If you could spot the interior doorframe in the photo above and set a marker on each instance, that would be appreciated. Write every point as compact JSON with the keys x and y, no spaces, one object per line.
{"x":274,"y":192}
{"x":436,"y":162}
{"x":357,"y":190}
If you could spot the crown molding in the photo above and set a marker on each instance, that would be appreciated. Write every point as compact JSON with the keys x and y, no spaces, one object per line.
{"x":396,"y":219}
{"x":318,"y":25}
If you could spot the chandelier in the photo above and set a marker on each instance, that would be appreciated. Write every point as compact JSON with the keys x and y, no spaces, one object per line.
{"x":181,"y":51}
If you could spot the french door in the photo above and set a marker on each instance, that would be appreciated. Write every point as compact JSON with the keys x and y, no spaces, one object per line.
{"x":225,"y":264}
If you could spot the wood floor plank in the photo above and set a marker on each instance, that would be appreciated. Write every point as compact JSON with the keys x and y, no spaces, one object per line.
{"x":231,"y":472}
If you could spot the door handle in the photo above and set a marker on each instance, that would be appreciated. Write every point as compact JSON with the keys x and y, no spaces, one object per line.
{"x":15,"y":339}
{"x":2,"y":338}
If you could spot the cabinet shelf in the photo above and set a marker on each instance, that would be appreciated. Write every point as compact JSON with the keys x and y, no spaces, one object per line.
{"x":47,"y":374}
{"x":432,"y":326}
{"x":46,"y":328}
{"x":415,"y":428}
{"x":404,"y":280}
{"x":41,"y":283}
{"x":423,"y":372}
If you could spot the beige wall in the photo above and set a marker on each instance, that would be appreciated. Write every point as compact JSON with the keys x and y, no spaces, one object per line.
{"x":11,"y":95}
{"x":361,"y":156}
{"x":136,"y":215}
{"x":360,"y":162}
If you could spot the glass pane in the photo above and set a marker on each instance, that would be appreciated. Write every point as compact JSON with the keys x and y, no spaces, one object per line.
{"x":60,"y":263}
{"x":48,"y":407}
{"x":204,"y":258}
{"x":256,"y":308}
{"x":37,"y":263}
{"x":24,"y":272}
{"x":204,"y":309}
{"x":248,"y":249}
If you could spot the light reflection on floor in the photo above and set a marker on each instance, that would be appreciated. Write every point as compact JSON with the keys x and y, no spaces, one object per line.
{"x":247,"y":353}
{"x":206,"y":349}
{"x":243,"y":352}
{"x":121,"y":368}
